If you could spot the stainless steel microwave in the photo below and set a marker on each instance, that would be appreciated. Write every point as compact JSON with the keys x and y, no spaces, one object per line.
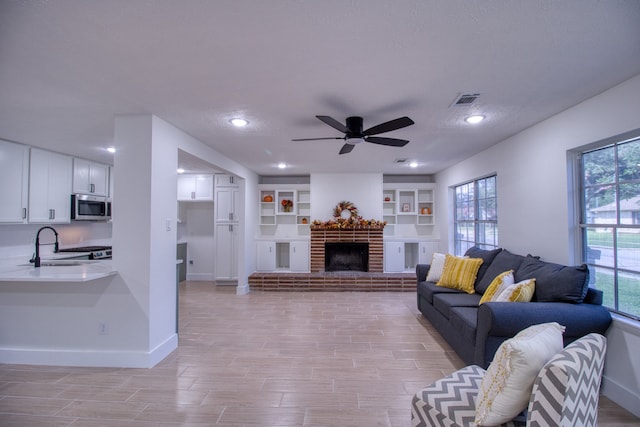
{"x":90,"y":208}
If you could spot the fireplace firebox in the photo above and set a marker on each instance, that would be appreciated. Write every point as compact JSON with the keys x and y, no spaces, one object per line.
{"x":346,"y":256}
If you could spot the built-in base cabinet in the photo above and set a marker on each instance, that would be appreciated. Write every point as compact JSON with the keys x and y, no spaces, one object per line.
{"x":282,"y":256}
{"x":404,"y":256}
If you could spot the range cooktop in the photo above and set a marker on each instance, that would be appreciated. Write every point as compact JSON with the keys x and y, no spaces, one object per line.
{"x":95,"y":252}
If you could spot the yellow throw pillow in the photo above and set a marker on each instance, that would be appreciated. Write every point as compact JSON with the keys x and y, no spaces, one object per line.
{"x":460,"y":273}
{"x":518,"y":292}
{"x":497,"y":285}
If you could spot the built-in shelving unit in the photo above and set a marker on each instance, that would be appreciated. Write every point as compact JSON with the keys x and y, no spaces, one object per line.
{"x":408,"y":209}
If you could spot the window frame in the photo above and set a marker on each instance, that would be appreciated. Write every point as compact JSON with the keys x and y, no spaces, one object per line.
{"x":582,"y":226}
{"x":460,"y":245}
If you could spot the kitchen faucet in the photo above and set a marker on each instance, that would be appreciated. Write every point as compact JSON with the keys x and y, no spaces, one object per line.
{"x":36,"y":257}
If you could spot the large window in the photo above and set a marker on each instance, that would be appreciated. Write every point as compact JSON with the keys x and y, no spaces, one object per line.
{"x":476,"y":215}
{"x":610,"y":210}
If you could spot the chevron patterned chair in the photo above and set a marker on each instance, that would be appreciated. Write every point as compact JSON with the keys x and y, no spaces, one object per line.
{"x":565,"y":392}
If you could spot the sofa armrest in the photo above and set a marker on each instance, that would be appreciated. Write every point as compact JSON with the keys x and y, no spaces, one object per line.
{"x":421,"y":272}
{"x":498,"y":321}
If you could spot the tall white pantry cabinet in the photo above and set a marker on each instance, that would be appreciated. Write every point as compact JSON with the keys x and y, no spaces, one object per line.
{"x":227,"y":221}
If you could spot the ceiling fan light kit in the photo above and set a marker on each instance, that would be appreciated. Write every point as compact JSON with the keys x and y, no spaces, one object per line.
{"x":353,"y":133}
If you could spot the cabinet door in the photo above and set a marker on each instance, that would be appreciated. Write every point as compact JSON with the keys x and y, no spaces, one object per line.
{"x":203,"y":187}
{"x":14,"y":179}
{"x":50,"y":185}
{"x":186,"y":187}
{"x":426,"y":251}
{"x":393,"y":257}
{"x":226,"y":246}
{"x":266,"y":256}
{"x":226,"y":204}
{"x":99,"y":179}
{"x":90,"y":178}
{"x":299,"y":256}
{"x":223,"y":180}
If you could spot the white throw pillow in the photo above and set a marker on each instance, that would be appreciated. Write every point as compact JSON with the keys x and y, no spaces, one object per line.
{"x":437,"y":266}
{"x":506,"y":386}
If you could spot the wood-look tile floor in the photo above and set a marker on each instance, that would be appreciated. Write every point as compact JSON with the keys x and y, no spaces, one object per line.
{"x":263,"y":359}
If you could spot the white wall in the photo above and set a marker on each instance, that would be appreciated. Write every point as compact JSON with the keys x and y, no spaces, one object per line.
{"x":534,"y":203}
{"x":200,"y":240}
{"x":364,"y":190}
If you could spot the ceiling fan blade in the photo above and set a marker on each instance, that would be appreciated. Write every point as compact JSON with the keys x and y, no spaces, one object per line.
{"x":393,"y":142}
{"x":389,"y":126}
{"x":333,"y":123}
{"x":315,"y":139}
{"x":346,"y":148}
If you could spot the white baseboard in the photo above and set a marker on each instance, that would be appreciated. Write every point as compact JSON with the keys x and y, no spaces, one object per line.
{"x":621,"y":395}
{"x":89,"y":358}
{"x":202,"y":277}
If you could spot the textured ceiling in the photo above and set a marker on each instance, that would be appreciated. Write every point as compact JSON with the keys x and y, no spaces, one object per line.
{"x":67,"y":68}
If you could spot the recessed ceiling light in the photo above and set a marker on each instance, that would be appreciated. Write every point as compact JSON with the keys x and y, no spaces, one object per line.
{"x":180,"y":170}
{"x":282,"y":165}
{"x":111,"y":149}
{"x":413,"y":164}
{"x":238,"y":122}
{"x":474,"y":119}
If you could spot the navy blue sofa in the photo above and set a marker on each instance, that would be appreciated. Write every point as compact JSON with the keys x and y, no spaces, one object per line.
{"x":476,"y":331}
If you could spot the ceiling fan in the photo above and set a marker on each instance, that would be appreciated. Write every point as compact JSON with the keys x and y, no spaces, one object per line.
{"x":353,"y":133}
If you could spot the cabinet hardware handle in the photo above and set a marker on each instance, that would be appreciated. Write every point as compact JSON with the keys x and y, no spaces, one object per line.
{"x":399,"y":249}
{"x":52,"y":214}
{"x":231,"y":216}
{"x":93,"y":188}
{"x":193,"y":195}
{"x":24,"y":213}
{"x":230,"y":227}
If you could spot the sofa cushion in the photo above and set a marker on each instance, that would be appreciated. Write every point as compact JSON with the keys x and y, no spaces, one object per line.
{"x":460,"y":273}
{"x":497,"y":285}
{"x":504,"y":261}
{"x":464,"y":321}
{"x":428,"y":289}
{"x":443,"y":302}
{"x":555,"y":282}
{"x":437,"y":265}
{"x":487,"y":257}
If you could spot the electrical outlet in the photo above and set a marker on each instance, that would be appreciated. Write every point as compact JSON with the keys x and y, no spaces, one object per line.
{"x":103,"y":328}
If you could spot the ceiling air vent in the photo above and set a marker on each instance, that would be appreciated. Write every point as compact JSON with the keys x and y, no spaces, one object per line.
{"x":465,"y":99}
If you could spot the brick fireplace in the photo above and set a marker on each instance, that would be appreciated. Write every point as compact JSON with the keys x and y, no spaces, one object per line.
{"x":374,"y":279}
{"x":371,"y":235}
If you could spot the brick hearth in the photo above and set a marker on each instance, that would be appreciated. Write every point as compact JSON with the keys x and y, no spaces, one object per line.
{"x":333,"y":281}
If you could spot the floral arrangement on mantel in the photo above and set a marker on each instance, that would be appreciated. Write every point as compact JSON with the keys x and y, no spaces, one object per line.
{"x":345,"y":216}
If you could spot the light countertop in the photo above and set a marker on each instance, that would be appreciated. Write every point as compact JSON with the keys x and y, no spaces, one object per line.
{"x":20,"y":270}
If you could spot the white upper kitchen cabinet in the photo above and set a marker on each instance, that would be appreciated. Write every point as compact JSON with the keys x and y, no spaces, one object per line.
{"x":50,"y":184}
{"x":90,"y":178}
{"x":192,"y":187}
{"x":14,"y":182}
